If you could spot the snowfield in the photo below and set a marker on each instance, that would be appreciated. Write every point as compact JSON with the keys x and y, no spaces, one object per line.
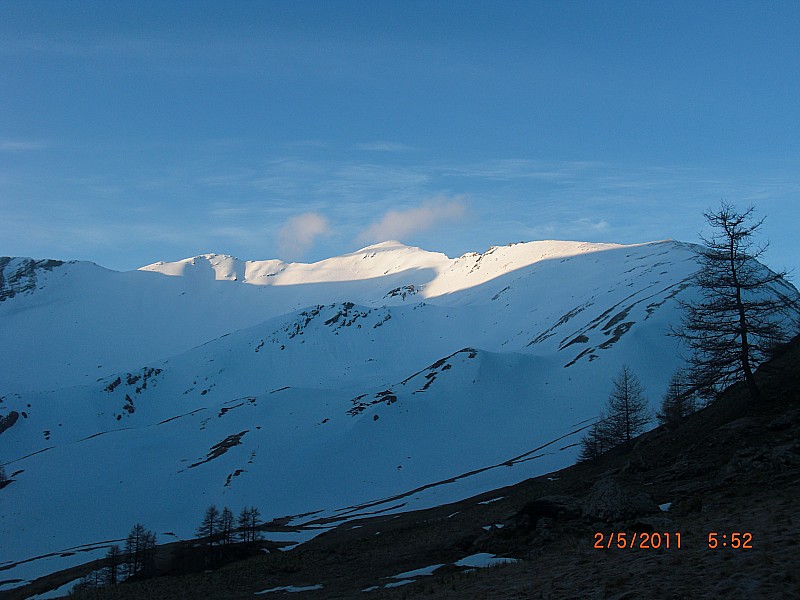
{"x":383,"y":380}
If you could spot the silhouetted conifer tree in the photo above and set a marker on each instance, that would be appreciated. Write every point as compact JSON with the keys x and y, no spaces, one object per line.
{"x":113,"y":565}
{"x":226,"y":526}
{"x":678,"y":401}
{"x":210,"y":526}
{"x":248,"y":523}
{"x":140,"y":551}
{"x":625,"y":417}
{"x":744,"y":310}
{"x":627,"y":408}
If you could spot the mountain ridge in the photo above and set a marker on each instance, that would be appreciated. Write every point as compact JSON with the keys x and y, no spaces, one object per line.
{"x":537,"y":250}
{"x":161,"y":316}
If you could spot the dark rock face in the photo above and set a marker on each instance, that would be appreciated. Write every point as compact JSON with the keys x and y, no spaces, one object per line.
{"x":555,"y":508}
{"x":609,"y":502}
{"x":8,"y":421}
{"x":18,"y":275}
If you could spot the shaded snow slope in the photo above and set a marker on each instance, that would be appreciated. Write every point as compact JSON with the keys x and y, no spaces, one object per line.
{"x":383,"y":380}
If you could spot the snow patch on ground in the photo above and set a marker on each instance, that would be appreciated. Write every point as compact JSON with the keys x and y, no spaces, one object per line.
{"x":492,"y":500}
{"x":58,"y":592}
{"x":291,"y":588}
{"x":421,"y":572}
{"x":484,"y":559}
{"x":395,"y":584}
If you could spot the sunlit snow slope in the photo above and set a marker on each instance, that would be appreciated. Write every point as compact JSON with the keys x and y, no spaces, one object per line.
{"x":383,"y":375}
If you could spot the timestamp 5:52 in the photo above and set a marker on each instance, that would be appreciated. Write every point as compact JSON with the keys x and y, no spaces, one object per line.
{"x":736,"y":540}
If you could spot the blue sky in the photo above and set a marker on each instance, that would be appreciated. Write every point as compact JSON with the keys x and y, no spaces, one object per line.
{"x":132,"y":132}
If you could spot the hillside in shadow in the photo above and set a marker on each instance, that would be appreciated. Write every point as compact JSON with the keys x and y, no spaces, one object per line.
{"x":731,"y":468}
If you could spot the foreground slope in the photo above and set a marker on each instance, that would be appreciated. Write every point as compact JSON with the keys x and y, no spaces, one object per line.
{"x":733,"y":467}
{"x":404,"y":379}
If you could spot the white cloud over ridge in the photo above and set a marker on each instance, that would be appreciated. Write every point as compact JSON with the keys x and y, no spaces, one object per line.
{"x":299,"y":233}
{"x":399,"y":224}
{"x":599,"y":225}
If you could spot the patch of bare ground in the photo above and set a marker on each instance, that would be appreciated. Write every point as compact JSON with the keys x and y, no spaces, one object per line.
{"x":733,"y":467}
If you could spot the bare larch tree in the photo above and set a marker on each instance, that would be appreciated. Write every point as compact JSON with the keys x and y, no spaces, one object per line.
{"x":744,"y":309}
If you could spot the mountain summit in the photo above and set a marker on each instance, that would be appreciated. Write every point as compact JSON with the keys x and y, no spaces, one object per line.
{"x":383,"y":380}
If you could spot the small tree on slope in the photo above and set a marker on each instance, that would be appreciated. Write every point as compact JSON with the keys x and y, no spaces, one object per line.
{"x":625,"y":417}
{"x":627,"y":408}
{"x":139,"y":551}
{"x":248,"y":524}
{"x":678,"y":401}
{"x":595,"y":442}
{"x":113,"y":563}
{"x":226,"y":526}
{"x":210,"y":526}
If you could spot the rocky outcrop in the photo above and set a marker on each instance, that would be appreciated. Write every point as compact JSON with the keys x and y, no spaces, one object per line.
{"x":18,"y":275}
{"x":8,"y":421}
{"x":610,"y":502}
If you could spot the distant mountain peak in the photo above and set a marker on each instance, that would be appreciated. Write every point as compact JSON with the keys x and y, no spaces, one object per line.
{"x":387,"y":245}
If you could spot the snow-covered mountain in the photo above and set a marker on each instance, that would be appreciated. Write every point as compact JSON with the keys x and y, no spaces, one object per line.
{"x":387,"y":379}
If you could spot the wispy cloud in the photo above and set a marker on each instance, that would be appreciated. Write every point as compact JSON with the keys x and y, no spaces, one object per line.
{"x":384,"y":147}
{"x":598,"y":225}
{"x":522,"y":169}
{"x":298,"y":234}
{"x":399,"y":224}
{"x":307,"y":144}
{"x":558,"y":227}
{"x":22,"y":145}
{"x":370,"y":180}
